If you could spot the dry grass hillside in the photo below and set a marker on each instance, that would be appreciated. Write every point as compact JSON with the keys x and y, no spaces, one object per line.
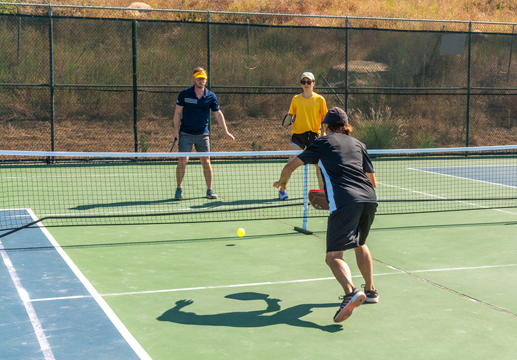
{"x":474,"y":10}
{"x":96,"y":51}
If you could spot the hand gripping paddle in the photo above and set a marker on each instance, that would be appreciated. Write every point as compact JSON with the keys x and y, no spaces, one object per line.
{"x":288,"y":120}
{"x":318,"y":200}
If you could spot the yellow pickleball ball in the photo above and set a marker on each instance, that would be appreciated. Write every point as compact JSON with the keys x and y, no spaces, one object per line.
{"x":241,"y":232}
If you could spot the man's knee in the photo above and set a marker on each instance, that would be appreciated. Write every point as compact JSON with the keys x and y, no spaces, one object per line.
{"x":182,"y":162}
{"x":205,"y":162}
{"x":332,"y":256}
{"x":361,"y":249}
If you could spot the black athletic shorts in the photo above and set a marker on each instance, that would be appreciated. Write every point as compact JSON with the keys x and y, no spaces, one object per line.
{"x":304,"y":140}
{"x":348,"y":227}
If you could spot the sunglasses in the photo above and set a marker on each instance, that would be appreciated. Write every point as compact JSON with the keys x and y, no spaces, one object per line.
{"x":306,"y":82}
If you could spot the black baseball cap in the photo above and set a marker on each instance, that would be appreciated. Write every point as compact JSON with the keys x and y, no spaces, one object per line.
{"x":336,"y":117}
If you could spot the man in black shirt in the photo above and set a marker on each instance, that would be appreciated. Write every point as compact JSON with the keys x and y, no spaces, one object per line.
{"x":349,"y":182}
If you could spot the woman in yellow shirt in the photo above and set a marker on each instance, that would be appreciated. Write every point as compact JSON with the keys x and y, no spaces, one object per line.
{"x":310,"y":110}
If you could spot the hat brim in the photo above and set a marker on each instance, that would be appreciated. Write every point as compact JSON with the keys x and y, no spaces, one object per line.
{"x":336,"y":123}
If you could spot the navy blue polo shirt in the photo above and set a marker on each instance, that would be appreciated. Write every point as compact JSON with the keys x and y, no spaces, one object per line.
{"x":343,"y":162}
{"x":196,"y":112}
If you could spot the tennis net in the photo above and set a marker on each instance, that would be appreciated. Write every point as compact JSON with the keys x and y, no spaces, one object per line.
{"x":67,"y":189}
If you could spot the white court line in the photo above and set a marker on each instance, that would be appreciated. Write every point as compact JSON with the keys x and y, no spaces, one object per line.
{"x":36,"y":324}
{"x":458,"y":177}
{"x":104,"y":306}
{"x":276,"y":282}
{"x":441,"y":197}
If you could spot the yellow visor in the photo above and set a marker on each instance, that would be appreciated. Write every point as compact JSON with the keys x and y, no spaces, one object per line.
{"x":200,"y":74}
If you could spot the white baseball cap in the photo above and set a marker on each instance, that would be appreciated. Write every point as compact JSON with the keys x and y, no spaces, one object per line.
{"x":308,"y":75}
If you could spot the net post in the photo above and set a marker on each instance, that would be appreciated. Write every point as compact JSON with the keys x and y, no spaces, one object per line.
{"x":303,"y":229}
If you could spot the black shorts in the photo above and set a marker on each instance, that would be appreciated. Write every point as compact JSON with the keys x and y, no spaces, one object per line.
{"x":348,"y":227}
{"x":304,"y":140}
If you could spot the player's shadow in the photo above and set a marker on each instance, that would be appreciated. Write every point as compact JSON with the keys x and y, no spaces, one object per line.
{"x":174,"y":203}
{"x":271,"y":315}
{"x":215,"y":204}
{"x":125,"y":204}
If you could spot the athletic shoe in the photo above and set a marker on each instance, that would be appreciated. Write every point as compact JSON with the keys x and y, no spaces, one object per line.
{"x":372,"y":296}
{"x":210,"y":194}
{"x":350,"y":302}
{"x":282,"y":195}
{"x":179,"y":194}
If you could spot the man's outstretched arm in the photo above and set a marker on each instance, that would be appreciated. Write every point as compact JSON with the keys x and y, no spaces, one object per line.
{"x":220,"y":119}
{"x":291,"y":166}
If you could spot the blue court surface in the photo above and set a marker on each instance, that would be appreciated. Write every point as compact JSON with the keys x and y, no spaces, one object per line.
{"x":498,"y":175}
{"x":49,"y":310}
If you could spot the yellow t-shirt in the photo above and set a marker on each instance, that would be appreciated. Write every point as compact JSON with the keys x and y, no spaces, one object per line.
{"x":309,"y":113}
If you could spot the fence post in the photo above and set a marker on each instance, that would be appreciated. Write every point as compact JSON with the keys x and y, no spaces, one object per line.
{"x":19,"y":35}
{"x":346,"y":67}
{"x":51,"y":75}
{"x":511,"y":49}
{"x":468,"y":85}
{"x":135,"y":86}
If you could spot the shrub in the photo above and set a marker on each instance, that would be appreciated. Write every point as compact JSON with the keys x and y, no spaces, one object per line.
{"x":143,"y":143}
{"x":379,"y":130}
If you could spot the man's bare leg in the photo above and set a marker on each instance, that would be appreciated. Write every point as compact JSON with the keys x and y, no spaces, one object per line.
{"x":207,"y":171}
{"x":340,"y":269}
{"x":364,"y":262}
{"x":180,"y":171}
{"x":353,"y":298}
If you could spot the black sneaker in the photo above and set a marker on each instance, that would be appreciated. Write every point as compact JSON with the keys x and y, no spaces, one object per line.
{"x":350,"y":302}
{"x":372,"y":296}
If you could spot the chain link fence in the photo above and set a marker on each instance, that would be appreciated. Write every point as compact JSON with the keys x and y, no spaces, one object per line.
{"x":97,"y":84}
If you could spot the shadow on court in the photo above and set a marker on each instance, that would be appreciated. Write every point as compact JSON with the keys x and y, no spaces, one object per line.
{"x":123,"y":203}
{"x":185,"y":202}
{"x":271,"y":315}
{"x":273,"y":200}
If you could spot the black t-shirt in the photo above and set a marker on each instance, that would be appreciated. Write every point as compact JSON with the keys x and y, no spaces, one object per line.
{"x":344,"y":162}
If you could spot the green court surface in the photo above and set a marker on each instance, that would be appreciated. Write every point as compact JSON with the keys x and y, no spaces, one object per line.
{"x":197,"y":291}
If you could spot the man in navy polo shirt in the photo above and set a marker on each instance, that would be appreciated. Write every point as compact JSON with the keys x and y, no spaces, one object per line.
{"x":349,"y":183}
{"x":193,"y":111}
